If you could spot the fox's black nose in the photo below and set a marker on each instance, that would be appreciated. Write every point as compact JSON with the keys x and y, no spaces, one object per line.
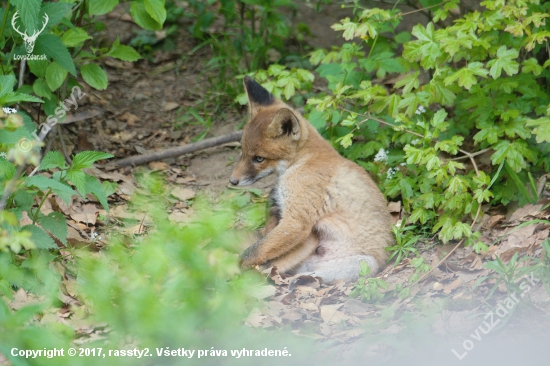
{"x":233,"y":181}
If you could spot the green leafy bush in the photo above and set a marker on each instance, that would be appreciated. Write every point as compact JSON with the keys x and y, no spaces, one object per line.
{"x":62,"y":51}
{"x":477,"y":86}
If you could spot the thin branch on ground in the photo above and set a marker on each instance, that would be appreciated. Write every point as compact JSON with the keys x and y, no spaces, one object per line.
{"x":176,"y":151}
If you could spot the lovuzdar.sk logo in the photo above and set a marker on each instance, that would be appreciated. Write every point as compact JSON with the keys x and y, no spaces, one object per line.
{"x":29,"y":40}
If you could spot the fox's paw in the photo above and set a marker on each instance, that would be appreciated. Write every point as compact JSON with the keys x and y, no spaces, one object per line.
{"x":249,"y":259}
{"x":251,"y":256}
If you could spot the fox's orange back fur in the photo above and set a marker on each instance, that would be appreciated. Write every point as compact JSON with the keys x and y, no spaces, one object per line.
{"x":327,"y":214}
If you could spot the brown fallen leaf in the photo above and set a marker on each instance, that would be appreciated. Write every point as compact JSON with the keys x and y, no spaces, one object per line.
{"x":129,"y":118}
{"x":123,"y":136}
{"x":493,"y":220}
{"x":170,"y":106}
{"x":25,"y":219}
{"x":447,"y":289}
{"x":309,"y":306}
{"x":292,"y":315}
{"x":126,"y":189}
{"x":178,"y":216}
{"x":86,"y":214}
{"x":183,"y":194}
{"x":516,"y":239}
{"x":74,"y":238}
{"x":261,"y":291}
{"x":158,"y":165}
{"x":527,"y":210}
{"x":331,"y":315}
{"x":135,"y":230}
{"x":255,"y":318}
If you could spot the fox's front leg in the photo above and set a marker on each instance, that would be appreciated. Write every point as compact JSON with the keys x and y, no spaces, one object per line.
{"x":287,"y":235}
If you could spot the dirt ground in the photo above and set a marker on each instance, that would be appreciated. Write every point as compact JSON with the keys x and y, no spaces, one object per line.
{"x":140,"y":112}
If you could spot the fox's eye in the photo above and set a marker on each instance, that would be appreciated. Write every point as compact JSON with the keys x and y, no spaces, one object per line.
{"x":258,"y":159}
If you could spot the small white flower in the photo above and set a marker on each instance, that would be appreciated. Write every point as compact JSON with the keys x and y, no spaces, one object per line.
{"x":420,"y":110}
{"x":9,"y":110}
{"x":95,"y":236}
{"x":391,"y":172}
{"x":382,"y":155}
{"x":3,"y":155}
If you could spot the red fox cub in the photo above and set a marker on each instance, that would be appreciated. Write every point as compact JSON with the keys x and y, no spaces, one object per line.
{"x":327,"y":215}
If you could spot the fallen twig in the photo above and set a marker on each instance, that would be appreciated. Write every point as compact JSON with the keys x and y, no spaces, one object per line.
{"x":176,"y":151}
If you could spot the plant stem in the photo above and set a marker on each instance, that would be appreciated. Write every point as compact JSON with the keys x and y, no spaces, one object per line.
{"x":35,"y":216}
{"x":5,"y":21}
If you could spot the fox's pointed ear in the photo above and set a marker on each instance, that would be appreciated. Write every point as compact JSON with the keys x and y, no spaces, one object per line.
{"x":257,"y":95}
{"x":284,"y":123}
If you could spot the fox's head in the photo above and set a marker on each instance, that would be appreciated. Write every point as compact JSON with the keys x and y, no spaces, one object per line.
{"x":271,"y":138}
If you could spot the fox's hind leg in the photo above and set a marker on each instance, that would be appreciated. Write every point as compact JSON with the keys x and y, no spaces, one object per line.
{"x":293,"y":258}
{"x":298,"y":254}
{"x":345,"y":268}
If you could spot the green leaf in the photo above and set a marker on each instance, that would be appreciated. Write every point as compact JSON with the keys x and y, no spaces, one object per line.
{"x":345,"y":140}
{"x":505,"y":61}
{"x":542,"y":131}
{"x":514,"y":152}
{"x":391,"y":102}
{"x":438,"y":119}
{"x":467,"y":75}
{"x":124,"y":53}
{"x":52,"y":46}
{"x":94,"y":187}
{"x":85,"y":159}
{"x":100,"y":7}
{"x":53,"y":159}
{"x":406,"y":188}
{"x":7,"y":82}
{"x":56,"y":12}
{"x":55,"y":75}
{"x":520,"y":185}
{"x":155,"y":8}
{"x":317,"y":120}
{"x":409,"y":82}
{"x":56,"y":224}
{"x":95,"y":76}
{"x":74,"y":37}
{"x":43,"y":183}
{"x":78,"y":178}
{"x":7,"y":170}
{"x":38,"y":67}
{"x":426,"y":49}
{"x":420,"y":214}
{"x":13,"y":97}
{"x":142,"y":17}
{"x":28,"y":11}
{"x":531,"y":66}
{"x":40,"y":238}
{"x":41,"y":88}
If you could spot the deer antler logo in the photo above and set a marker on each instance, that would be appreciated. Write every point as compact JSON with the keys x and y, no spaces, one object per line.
{"x":29,"y":40}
